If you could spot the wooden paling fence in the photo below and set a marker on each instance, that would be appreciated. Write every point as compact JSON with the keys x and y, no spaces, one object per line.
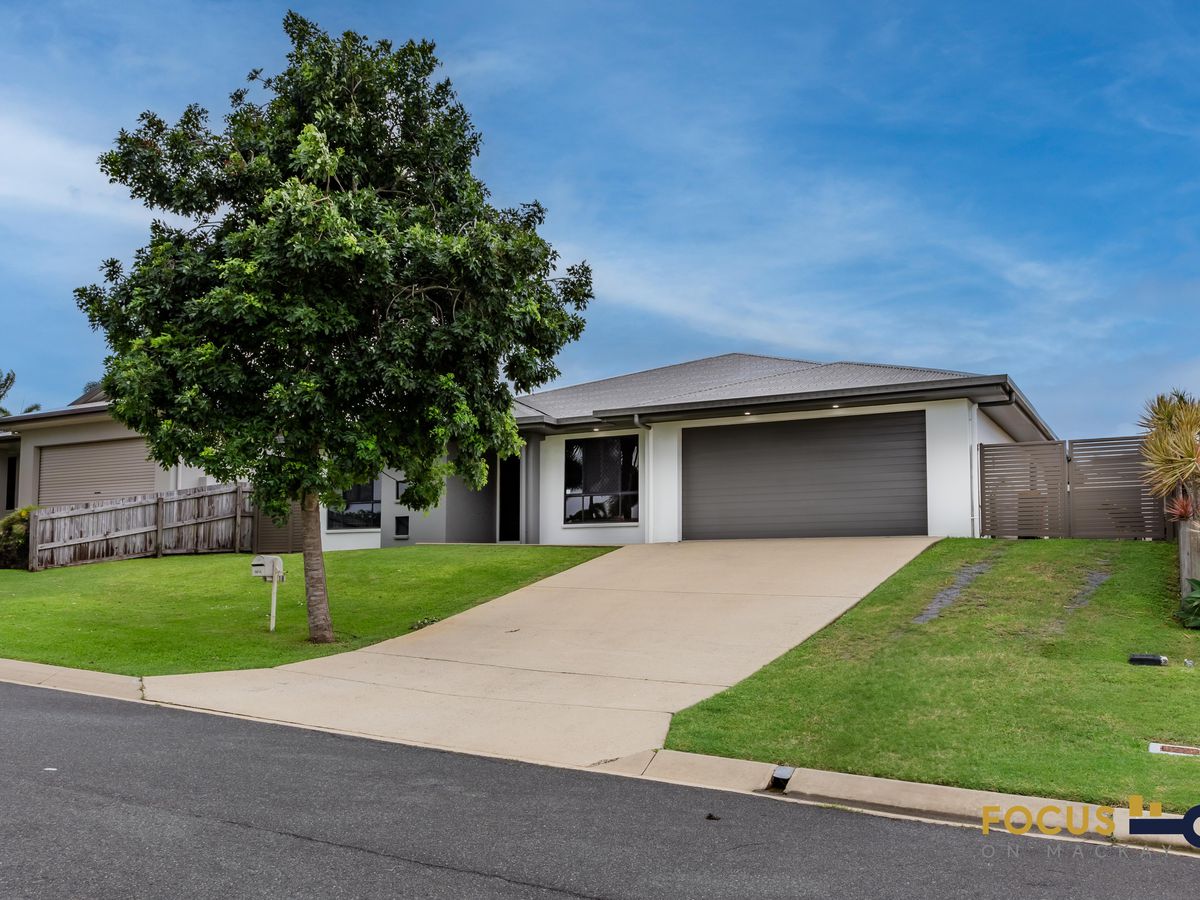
{"x":218,"y":519}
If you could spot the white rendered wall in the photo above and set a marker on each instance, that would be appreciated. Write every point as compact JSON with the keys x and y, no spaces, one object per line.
{"x":949,"y":468}
{"x":988,"y":432}
{"x":348,"y":538}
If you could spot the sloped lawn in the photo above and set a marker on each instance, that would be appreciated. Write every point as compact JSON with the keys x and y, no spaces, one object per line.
{"x":1020,"y":685}
{"x":203,"y":613}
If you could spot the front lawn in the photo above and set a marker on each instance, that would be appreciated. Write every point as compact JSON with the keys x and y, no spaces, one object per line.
{"x":202,"y":613}
{"x":1020,"y":685}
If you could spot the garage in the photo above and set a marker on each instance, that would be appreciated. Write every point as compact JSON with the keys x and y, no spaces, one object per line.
{"x":831,"y":477}
{"x":97,"y":470}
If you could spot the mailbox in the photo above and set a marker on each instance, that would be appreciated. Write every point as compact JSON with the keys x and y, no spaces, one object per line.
{"x":268,"y":568}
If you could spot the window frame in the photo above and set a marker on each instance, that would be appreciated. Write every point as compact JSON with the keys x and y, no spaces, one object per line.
{"x":569,"y":495}
{"x":376,"y":510}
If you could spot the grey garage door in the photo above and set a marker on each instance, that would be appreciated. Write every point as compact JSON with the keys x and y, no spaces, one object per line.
{"x":99,"y":470}
{"x":858,"y":475}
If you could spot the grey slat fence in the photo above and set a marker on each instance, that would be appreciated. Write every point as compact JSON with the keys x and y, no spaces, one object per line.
{"x":1109,"y":496}
{"x":1023,"y":489}
{"x":1090,"y":488}
{"x":218,"y":519}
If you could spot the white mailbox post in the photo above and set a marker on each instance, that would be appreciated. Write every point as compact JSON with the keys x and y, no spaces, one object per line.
{"x":269,"y":568}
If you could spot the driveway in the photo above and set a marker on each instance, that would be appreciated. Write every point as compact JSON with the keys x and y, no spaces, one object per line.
{"x":584,"y":667}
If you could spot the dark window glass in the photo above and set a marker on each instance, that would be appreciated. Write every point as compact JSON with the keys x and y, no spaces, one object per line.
{"x":401,"y":528}
{"x":362,"y":509}
{"x":10,"y":484}
{"x":400,"y":486}
{"x":601,"y":480}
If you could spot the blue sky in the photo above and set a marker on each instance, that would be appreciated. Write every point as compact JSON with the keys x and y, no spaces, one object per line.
{"x":987,"y":187}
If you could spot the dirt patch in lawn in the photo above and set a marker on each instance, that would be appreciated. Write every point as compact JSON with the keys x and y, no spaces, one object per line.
{"x":963,"y":579}
{"x":1092,"y":583}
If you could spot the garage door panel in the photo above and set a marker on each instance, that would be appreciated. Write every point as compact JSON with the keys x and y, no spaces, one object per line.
{"x":858,"y":475}
{"x":71,"y":474}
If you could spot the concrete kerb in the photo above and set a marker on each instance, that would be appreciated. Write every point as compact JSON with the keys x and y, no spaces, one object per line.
{"x":896,"y":799}
{"x":78,"y":681}
{"x":881,"y":796}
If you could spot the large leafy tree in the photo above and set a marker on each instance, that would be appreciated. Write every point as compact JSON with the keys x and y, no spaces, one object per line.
{"x":332,"y":292}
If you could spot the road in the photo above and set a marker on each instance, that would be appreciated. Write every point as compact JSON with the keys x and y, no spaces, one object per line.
{"x":102,"y":798}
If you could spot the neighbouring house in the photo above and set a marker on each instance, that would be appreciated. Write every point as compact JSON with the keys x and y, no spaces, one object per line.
{"x":10,"y":458}
{"x":80,"y":454}
{"x":732,"y":446}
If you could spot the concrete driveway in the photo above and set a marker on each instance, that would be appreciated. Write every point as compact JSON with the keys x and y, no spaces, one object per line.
{"x":583,"y":667}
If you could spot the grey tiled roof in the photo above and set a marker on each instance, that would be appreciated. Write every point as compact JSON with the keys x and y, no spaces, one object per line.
{"x":728,"y":377}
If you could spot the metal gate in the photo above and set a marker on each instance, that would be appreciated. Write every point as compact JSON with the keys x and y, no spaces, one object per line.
{"x":1088,"y":488}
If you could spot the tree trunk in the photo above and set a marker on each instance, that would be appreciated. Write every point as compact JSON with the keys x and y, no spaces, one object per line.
{"x":320,"y":627}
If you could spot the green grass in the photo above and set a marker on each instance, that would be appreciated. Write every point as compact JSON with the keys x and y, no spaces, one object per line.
{"x":203,"y":613}
{"x":1009,"y":689}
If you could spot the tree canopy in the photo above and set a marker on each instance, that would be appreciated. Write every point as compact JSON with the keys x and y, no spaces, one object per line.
{"x":331,"y":292}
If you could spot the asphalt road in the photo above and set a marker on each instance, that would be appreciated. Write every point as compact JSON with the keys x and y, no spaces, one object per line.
{"x":100,"y":798}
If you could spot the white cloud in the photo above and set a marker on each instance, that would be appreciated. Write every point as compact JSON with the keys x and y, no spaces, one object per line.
{"x":42,"y":171}
{"x":852,"y":269}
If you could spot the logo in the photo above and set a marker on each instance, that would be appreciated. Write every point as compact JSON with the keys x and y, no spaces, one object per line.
{"x":1077,"y":819}
{"x":1139,"y":823}
{"x":1051,"y":819}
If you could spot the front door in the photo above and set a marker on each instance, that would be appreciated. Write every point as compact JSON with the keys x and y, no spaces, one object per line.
{"x":509,"y":526}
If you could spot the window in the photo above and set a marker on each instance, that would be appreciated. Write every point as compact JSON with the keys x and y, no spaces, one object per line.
{"x":401,"y":528}
{"x":400,"y":487}
{"x":601,"y":480}
{"x":362,"y":509}
{"x":10,"y":484}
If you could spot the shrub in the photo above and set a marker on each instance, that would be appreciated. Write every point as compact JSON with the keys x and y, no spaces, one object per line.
{"x":1189,"y":609}
{"x":1172,"y":450}
{"x":14,"y":539}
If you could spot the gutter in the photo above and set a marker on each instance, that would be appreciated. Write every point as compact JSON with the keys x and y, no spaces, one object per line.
{"x":1020,"y":402}
{"x":968,"y":388}
{"x":38,"y":417}
{"x":861,"y":395}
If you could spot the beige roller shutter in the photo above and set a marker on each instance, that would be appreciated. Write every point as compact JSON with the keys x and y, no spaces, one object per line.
{"x":100,"y":470}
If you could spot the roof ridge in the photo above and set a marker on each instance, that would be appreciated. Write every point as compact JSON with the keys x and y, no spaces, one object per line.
{"x":812,"y":362}
{"x":686,"y":362}
{"x":807,"y":365}
{"x":853,"y":362}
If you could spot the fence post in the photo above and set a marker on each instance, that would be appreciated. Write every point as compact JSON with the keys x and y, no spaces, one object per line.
{"x":158,"y":526}
{"x":33,"y":540}
{"x":237,"y":519}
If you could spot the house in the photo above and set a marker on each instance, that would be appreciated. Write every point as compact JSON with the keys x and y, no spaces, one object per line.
{"x":732,"y":446}
{"x":80,"y":454}
{"x":739,"y":446}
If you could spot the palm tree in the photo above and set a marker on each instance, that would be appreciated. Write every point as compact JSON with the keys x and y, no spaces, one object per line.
{"x":1172,"y":451}
{"x":6,"y":382}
